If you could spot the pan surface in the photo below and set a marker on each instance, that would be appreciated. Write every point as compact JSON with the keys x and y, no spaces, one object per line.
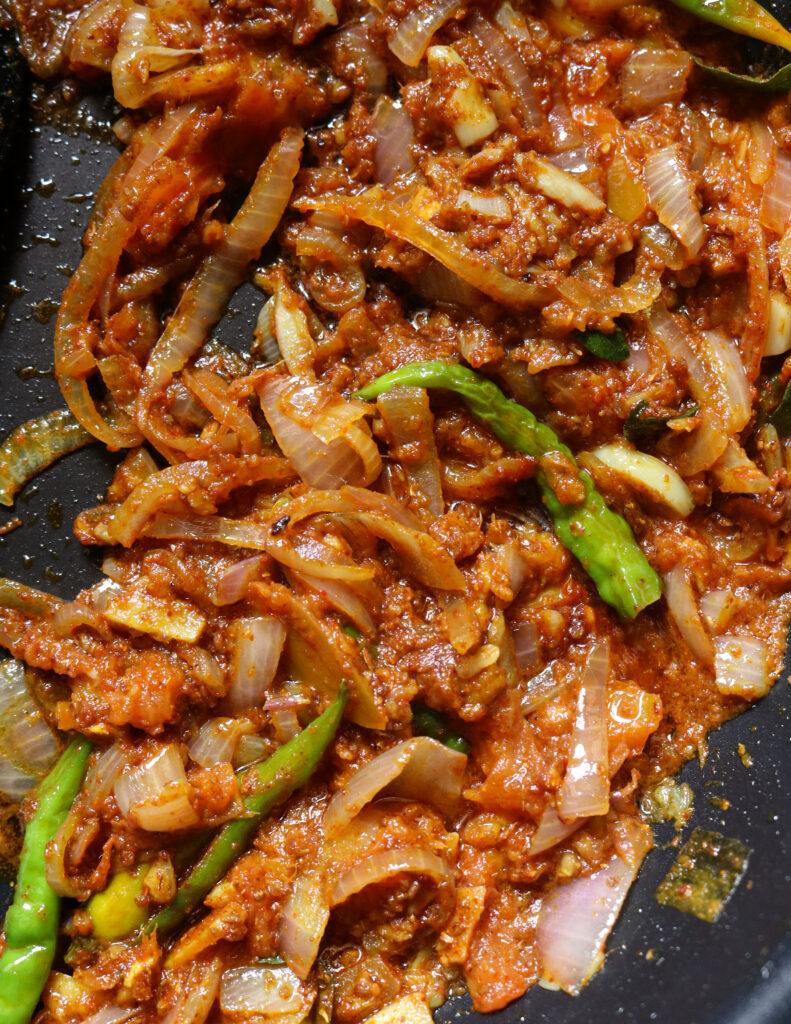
{"x":661,"y":966}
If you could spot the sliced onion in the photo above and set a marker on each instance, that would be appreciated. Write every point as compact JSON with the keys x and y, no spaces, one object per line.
{"x":576,"y":919}
{"x":320,"y":655}
{"x":511,"y":67}
{"x":294,"y":339}
{"x":266,"y":991}
{"x":155,"y":795}
{"x":740,"y":667}
{"x":552,"y":830}
{"x":232,"y":584}
{"x":374,"y":208}
{"x":684,"y":612}
{"x":418,"y":769}
{"x":264,"y":332}
{"x":672,"y":193}
{"x":466,"y":109}
{"x":342,"y":598}
{"x":202,"y":987}
{"x":382,"y":866}
{"x":724,"y":363}
{"x":413,"y":35}
{"x":103,"y":775}
{"x":710,"y":439}
{"x":778,"y":333}
{"x":525,"y":636}
{"x":286,"y":723}
{"x":394,"y":131}
{"x":302,"y":923}
{"x":776,"y":206}
{"x":206,"y":295}
{"x":638,"y":293}
{"x":735,"y":473}
{"x":354,"y":46}
{"x":647,"y":475}
{"x":586,"y":786}
{"x":27,"y":745}
{"x":112,"y":1015}
{"x":215,"y":742}
{"x":258,"y":644}
{"x":347,"y":289}
{"x":249,"y":750}
{"x":556,"y":184}
{"x":717,"y":608}
{"x":407,"y":416}
{"x":650,"y":77}
{"x":486,"y":206}
{"x":350,"y":458}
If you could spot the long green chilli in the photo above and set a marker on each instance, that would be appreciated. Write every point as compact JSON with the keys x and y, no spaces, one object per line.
{"x":31,"y":924}
{"x":746,"y":17}
{"x":600,"y":538}
{"x":272,"y":781}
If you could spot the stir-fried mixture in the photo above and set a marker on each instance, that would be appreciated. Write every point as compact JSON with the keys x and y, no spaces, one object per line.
{"x":411,"y":596}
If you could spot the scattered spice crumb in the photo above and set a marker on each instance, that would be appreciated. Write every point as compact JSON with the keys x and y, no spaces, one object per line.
{"x":745,"y":755}
{"x":12,"y":524}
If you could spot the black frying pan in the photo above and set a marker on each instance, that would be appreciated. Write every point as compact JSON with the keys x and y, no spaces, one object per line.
{"x":661,"y":966}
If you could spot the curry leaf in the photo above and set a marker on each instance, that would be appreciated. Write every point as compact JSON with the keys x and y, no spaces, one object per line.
{"x":606,"y":346}
{"x":639,"y":427}
{"x":780,"y":81}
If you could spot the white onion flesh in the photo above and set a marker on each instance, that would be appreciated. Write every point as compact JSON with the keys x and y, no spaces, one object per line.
{"x":352,"y":458}
{"x":577,"y":917}
{"x":382,"y":866}
{"x":342,"y":598}
{"x":292,"y":331}
{"x":27,"y":745}
{"x":487,"y":206}
{"x":155,"y":795}
{"x":717,"y":608}
{"x":232,"y":583}
{"x":736,"y":473}
{"x":394,"y":133}
{"x":647,"y":475}
{"x":268,"y":991}
{"x":778,"y":334}
{"x":740,"y":667}
{"x":776,"y":207}
{"x":215,"y":742}
{"x":258,"y":644}
{"x":414,"y":33}
{"x":672,"y":193}
{"x":511,"y":67}
{"x":418,"y":769}
{"x":556,"y":184}
{"x":552,"y":830}
{"x":684,"y":611}
{"x":302,"y":923}
{"x":202,"y":988}
{"x":407,"y":416}
{"x":101,"y":779}
{"x":525,"y":636}
{"x":586,"y":785}
{"x":650,"y":77}
{"x":112,"y":1015}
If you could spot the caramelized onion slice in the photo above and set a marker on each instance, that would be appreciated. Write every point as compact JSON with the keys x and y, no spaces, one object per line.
{"x":586,"y":786}
{"x":382,"y":866}
{"x":417,"y":769}
{"x":377,"y":210}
